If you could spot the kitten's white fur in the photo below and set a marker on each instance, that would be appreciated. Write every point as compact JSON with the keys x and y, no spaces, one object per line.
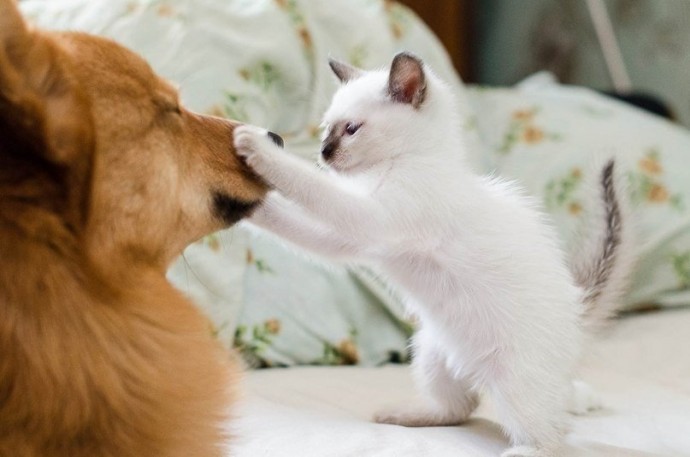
{"x":498,"y":308}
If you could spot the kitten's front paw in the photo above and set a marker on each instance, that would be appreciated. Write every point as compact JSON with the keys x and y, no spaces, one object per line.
{"x":418,"y":418}
{"x":252,"y":144}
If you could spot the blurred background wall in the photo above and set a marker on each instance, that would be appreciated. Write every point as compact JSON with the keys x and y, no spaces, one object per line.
{"x":499,"y":42}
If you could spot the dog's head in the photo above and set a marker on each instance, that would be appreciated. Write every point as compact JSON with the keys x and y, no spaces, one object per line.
{"x":91,"y":136}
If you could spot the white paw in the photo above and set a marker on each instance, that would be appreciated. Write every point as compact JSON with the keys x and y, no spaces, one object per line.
{"x":252,"y":144}
{"x":417,"y":418}
{"x":525,"y":451}
{"x":583,"y":399}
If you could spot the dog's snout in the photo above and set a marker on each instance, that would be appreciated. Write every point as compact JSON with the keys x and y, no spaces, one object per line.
{"x":327,"y":150}
{"x":276,"y":138}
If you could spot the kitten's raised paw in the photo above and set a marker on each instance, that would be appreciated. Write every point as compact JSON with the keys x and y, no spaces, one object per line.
{"x":526,"y":451}
{"x":583,"y":399}
{"x":251,"y":143}
{"x":245,"y":138}
{"x":417,"y":418}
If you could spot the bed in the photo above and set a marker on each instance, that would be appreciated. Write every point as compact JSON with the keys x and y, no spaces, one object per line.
{"x":326,"y":411}
{"x":264,"y":62}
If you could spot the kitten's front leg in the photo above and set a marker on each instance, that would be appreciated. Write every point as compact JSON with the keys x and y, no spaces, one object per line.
{"x":299,"y":181}
{"x":289,"y":221}
{"x":532,"y":409}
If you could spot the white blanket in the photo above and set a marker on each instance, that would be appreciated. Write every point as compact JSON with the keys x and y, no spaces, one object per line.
{"x":642,"y":371}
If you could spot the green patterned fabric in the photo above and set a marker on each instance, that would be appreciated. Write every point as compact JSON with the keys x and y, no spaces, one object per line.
{"x":548,"y":137}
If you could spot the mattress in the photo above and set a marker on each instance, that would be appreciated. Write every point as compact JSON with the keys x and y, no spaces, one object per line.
{"x":641,"y":369}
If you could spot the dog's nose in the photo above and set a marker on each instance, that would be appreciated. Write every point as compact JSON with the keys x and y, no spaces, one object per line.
{"x":276,"y":139}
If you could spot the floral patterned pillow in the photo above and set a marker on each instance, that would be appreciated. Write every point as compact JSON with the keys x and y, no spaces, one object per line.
{"x":548,"y":136}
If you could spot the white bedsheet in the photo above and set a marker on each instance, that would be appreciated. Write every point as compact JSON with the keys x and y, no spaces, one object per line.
{"x":642,"y":371}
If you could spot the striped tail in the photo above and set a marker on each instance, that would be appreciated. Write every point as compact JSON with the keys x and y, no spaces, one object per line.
{"x":605,"y":258}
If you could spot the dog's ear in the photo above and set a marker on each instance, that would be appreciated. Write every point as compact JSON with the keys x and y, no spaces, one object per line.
{"x":406,"y":81}
{"x":43,"y":111}
{"x":345,"y":72}
{"x":14,"y":43}
{"x":12,"y":25}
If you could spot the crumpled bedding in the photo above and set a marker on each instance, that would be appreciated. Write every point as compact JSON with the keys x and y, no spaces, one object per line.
{"x":641,"y":370}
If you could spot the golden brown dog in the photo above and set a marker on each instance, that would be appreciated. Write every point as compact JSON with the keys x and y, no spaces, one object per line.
{"x":104,"y":179}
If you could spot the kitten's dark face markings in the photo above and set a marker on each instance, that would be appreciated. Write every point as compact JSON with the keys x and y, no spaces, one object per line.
{"x":331,"y":144}
{"x":406,"y":85}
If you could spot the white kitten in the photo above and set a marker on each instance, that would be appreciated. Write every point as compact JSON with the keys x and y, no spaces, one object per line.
{"x":497,"y":306}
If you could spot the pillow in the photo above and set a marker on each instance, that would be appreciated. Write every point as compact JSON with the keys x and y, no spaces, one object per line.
{"x":300,"y":311}
{"x":265,"y":62}
{"x":547,"y":136}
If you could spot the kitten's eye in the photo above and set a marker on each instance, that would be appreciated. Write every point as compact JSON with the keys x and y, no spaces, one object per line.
{"x":351,"y":128}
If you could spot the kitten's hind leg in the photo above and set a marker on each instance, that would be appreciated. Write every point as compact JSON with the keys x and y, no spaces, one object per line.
{"x":450,"y":401}
{"x":533,"y":413}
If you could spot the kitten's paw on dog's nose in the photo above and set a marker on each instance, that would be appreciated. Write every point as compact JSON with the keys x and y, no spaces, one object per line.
{"x":246,"y":140}
{"x":253,"y":144}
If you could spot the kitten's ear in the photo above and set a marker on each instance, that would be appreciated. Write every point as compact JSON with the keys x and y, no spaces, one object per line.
{"x":345,"y":72}
{"x":406,"y":82}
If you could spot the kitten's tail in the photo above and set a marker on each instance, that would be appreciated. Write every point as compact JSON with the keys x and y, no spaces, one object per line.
{"x":605,"y":258}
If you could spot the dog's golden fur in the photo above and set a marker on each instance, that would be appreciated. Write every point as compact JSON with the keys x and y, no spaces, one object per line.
{"x":104,"y":179}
